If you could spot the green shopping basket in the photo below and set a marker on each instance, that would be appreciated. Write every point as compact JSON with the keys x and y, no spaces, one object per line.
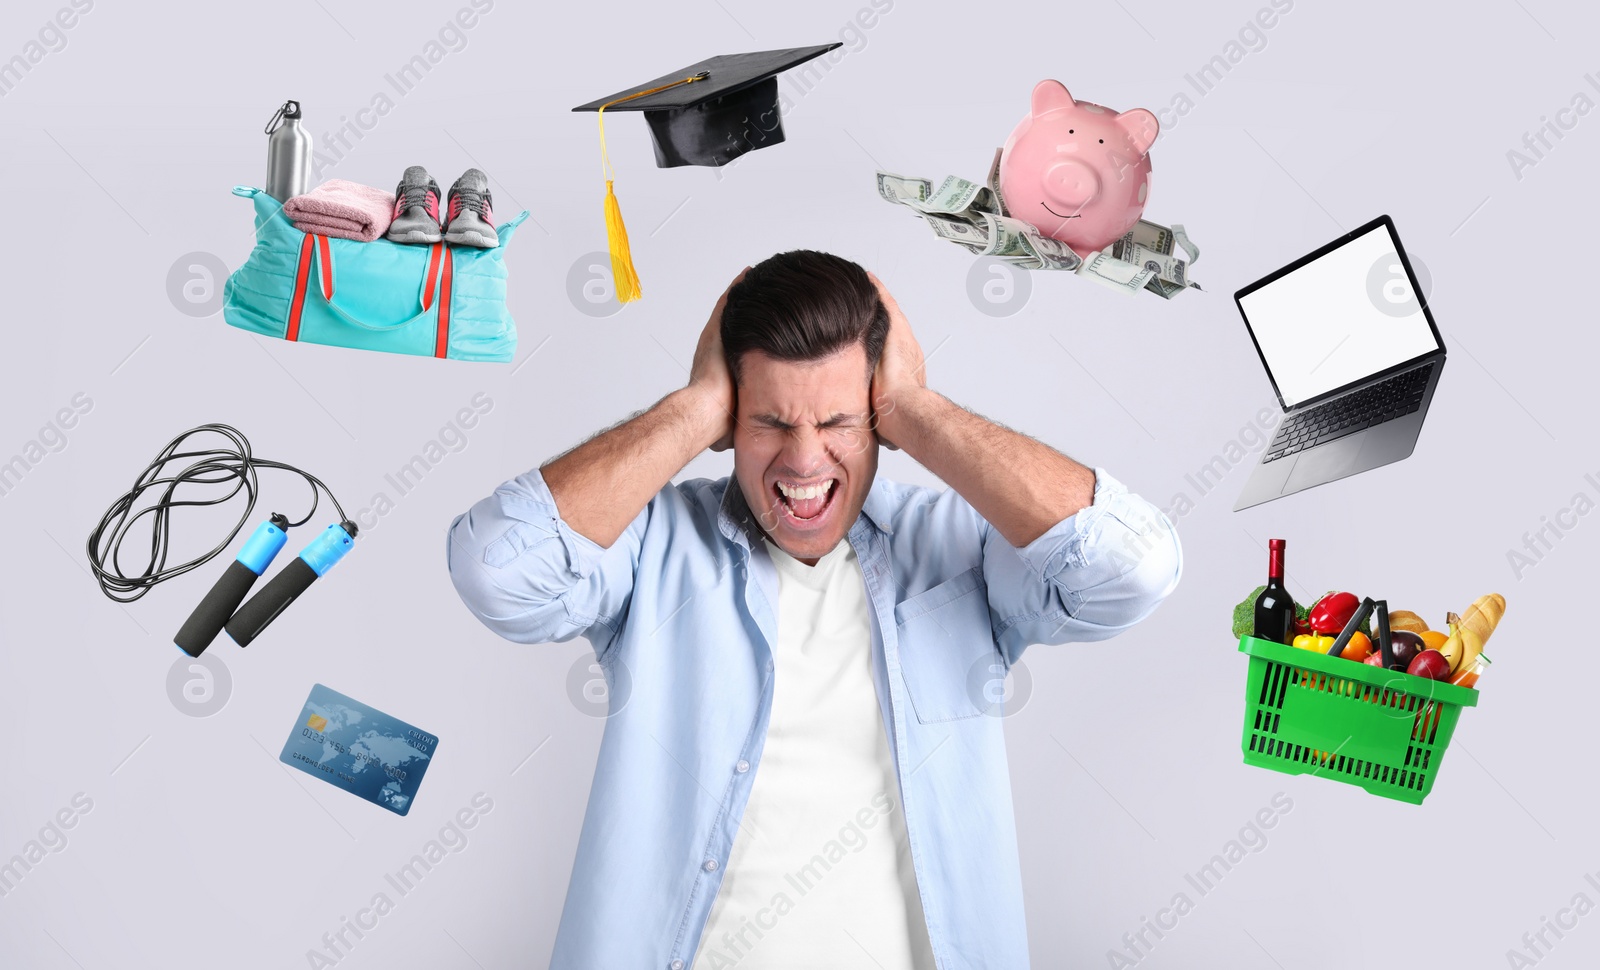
{"x":1309,"y":713}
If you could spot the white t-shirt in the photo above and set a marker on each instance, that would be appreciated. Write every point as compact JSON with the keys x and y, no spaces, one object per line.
{"x":820,"y":871}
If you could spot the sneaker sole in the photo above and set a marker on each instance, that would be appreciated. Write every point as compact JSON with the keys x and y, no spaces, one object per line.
{"x":472,"y":239}
{"x":415,"y":236}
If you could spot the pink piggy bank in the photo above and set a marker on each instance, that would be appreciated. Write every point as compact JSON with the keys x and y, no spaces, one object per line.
{"x":1078,"y":171}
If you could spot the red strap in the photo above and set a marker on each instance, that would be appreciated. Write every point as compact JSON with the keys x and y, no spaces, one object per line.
{"x":433,"y":275}
{"x":441,"y":347}
{"x":324,"y":250}
{"x":298,"y":301}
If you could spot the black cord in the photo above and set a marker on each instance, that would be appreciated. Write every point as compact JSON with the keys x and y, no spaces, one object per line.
{"x":219,"y":466}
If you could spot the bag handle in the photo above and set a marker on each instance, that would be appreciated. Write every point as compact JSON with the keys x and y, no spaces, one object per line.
{"x":441,"y":344}
{"x":324,"y":271}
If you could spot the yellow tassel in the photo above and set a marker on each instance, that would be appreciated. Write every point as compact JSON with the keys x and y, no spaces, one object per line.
{"x":622,"y":272}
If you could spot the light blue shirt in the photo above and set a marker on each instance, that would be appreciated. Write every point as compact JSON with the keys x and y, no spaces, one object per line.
{"x":683,"y":606}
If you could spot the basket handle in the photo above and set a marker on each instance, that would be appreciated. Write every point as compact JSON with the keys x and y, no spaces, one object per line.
{"x":1356,"y":619}
{"x":1385,"y":640}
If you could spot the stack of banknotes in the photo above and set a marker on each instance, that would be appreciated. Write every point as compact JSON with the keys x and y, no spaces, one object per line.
{"x":974,"y":216}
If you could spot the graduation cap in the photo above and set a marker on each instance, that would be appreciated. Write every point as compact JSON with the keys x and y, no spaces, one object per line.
{"x":709,"y":113}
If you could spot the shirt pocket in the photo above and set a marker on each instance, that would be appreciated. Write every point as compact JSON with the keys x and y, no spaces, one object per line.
{"x":946,"y":646}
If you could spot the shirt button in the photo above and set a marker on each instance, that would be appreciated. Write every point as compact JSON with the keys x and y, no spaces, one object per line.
{"x":710,"y":866}
{"x":742,"y":767}
{"x":676,"y":965}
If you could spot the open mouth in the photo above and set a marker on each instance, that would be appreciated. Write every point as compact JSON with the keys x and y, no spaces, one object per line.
{"x":1057,"y":214}
{"x":805,"y":504}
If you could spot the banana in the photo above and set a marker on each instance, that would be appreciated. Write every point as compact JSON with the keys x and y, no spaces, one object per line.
{"x":1452,"y":649}
{"x":1484,"y":615}
{"x":1463,"y":646}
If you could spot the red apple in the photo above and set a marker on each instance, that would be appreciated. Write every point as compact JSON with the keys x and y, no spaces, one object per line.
{"x":1430,"y":664}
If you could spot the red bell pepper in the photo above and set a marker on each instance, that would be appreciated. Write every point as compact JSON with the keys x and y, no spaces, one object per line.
{"x":1332,"y":612}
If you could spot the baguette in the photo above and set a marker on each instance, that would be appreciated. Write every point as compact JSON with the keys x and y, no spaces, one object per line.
{"x":1484,"y":615}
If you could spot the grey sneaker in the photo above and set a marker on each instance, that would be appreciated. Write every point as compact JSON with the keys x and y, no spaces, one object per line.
{"x":416,"y":209}
{"x":471,"y":217}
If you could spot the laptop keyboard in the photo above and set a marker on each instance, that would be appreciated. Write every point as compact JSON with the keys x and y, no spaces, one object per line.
{"x":1386,"y":400}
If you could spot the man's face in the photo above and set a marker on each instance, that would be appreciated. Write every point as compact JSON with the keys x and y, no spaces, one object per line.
{"x":805,"y":429}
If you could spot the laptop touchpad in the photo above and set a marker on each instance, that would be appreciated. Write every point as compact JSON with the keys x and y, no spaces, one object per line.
{"x":1335,"y":459}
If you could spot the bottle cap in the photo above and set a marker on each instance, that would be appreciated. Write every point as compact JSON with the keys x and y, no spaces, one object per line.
{"x":289,"y":112}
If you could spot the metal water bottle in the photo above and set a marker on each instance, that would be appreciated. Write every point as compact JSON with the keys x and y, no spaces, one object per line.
{"x":288,"y":154}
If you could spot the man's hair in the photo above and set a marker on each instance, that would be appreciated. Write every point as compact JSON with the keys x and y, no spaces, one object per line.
{"x":802,"y":306}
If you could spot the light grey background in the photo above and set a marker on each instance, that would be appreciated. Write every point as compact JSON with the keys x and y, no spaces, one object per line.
{"x":201,"y":850}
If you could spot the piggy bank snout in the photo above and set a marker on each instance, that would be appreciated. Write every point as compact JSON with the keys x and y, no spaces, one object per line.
{"x":1072,"y":183}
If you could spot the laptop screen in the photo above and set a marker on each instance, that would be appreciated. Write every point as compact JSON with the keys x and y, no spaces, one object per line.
{"x":1346,"y":315}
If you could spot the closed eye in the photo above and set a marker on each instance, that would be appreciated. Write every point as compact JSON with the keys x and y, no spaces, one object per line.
{"x":778,"y":424}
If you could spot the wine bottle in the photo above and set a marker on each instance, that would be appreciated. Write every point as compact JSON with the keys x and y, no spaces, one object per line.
{"x":1274,"y":607}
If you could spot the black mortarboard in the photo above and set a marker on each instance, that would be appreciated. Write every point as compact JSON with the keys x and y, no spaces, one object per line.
{"x":729,"y":108}
{"x":706,"y":114}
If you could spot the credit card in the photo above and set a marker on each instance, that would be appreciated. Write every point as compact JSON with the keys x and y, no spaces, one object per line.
{"x":360,"y":749}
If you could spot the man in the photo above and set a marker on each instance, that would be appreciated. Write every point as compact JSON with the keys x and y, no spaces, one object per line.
{"x":803,"y":774}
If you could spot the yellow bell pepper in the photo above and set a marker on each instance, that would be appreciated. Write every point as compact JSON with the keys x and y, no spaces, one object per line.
{"x":1314,"y":642}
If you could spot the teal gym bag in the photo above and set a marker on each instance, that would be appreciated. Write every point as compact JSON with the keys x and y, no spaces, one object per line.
{"x":430,"y":301}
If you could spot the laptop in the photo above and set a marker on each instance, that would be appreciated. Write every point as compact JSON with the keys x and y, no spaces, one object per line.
{"x":1352,"y":351}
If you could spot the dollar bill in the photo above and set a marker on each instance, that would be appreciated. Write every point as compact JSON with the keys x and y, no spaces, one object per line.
{"x":1167,"y":290}
{"x":1006,"y":236}
{"x":894,"y":188}
{"x":1118,"y":274}
{"x":1168,"y":268}
{"x":1053,"y":254}
{"x":1182,"y":238}
{"x":1156,"y":248}
{"x":994,"y":183}
{"x":1164,"y":275}
{"x":1150,"y":236}
{"x":958,"y":195}
{"x":974,"y":237}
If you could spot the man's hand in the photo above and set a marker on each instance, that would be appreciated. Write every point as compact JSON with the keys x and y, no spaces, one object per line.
{"x":901,"y":373}
{"x":709,"y":377}
{"x":1021,"y":486}
{"x":603,"y":484}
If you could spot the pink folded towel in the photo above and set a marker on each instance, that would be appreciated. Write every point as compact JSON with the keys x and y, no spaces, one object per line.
{"x":342,"y":210}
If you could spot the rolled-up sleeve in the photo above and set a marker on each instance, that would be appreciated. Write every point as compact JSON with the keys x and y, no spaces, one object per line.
{"x":1089,"y":577}
{"x":530,"y":577}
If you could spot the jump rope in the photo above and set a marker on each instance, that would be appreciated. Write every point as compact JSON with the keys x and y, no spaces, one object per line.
{"x":214,"y":476}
